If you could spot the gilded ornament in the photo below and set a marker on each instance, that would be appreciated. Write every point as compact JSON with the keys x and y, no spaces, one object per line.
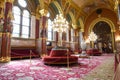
{"x":43,"y":12}
{"x":11,"y":1}
{"x":1,"y":25}
{"x":37,"y":16}
{"x":2,"y":9}
{"x":10,"y":15}
{"x":82,"y":30}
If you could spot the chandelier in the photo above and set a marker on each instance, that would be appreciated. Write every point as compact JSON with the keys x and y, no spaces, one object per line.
{"x":92,"y":36}
{"x":60,"y":25}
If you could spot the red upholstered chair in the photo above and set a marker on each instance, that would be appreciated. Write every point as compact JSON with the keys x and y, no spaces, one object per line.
{"x":94,"y":52}
{"x":59,"y":55}
{"x":78,"y":51}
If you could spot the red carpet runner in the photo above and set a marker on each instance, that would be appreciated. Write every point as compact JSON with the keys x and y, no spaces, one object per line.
{"x":23,"y":70}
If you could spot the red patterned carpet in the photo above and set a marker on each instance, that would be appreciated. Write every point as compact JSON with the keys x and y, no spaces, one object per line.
{"x":23,"y":70}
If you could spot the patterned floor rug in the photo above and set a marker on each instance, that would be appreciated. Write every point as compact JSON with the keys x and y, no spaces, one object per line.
{"x":103,"y":72}
{"x":36,"y":70}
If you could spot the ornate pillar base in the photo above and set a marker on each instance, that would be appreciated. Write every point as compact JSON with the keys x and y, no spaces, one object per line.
{"x":5,"y":59}
{"x":43,"y":47}
{"x":5,"y":54}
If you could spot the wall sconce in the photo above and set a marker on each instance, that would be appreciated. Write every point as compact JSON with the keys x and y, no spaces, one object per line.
{"x":118,"y":38}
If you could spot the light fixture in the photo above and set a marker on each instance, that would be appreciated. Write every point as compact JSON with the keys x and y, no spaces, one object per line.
{"x":60,"y":25}
{"x":99,"y":11}
{"x":92,"y":37}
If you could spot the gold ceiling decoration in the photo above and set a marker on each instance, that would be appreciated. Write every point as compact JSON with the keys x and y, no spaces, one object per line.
{"x":89,"y":5}
{"x":116,"y":4}
{"x":43,"y":12}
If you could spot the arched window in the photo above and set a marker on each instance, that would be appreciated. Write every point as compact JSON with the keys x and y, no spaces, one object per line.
{"x":21,"y":23}
{"x":49,"y":28}
{"x":25,"y":23}
{"x":16,"y":22}
{"x":22,"y":3}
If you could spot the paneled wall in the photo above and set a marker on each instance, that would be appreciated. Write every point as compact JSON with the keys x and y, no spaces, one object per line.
{"x":21,"y":42}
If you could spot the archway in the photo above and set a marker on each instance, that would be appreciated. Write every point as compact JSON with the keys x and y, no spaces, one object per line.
{"x":111,"y":26}
{"x":104,"y":41}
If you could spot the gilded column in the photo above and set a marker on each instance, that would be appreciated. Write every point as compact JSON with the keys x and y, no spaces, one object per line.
{"x":69,"y":37}
{"x":43,"y":33}
{"x":79,"y":47}
{"x":37,"y":33}
{"x":6,"y":34}
{"x":113,"y":42}
{"x":76,"y":41}
{"x":56,"y":37}
{"x":2,"y":4}
{"x":37,"y":30}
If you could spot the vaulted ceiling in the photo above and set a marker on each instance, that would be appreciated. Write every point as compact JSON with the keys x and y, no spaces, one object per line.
{"x":86,"y":5}
{"x":89,"y":5}
{"x":75,"y":10}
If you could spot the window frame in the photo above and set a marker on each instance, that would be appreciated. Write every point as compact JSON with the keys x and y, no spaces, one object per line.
{"x":21,"y":20}
{"x":48,"y":29}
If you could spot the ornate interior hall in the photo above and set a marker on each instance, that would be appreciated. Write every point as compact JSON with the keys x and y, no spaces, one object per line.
{"x":59,"y":32}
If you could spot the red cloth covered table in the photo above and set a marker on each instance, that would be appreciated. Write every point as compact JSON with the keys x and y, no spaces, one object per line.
{"x":59,"y":55}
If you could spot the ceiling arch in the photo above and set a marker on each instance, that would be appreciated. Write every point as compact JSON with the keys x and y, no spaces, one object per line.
{"x":58,"y":7}
{"x":81,"y":25}
{"x":102,"y":28}
{"x":73,"y":20}
{"x":112,"y":26}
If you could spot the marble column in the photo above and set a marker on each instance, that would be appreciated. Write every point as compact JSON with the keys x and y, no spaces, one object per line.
{"x":76,"y":41}
{"x":69,"y":37}
{"x":37,"y":29}
{"x":37,"y":33}
{"x":56,"y":38}
{"x":43,"y":32}
{"x":6,"y":34}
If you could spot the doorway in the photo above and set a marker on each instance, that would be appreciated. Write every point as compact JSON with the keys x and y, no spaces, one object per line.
{"x":104,"y":41}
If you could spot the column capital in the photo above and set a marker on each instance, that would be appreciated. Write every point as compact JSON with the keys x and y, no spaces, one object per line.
{"x":2,"y":6}
{"x":43,"y":12}
{"x":2,"y":1}
{"x":33,"y":13}
{"x":10,"y":15}
{"x":74,"y":26}
{"x":37,"y":16}
{"x":81,"y":30}
{"x":11,"y":1}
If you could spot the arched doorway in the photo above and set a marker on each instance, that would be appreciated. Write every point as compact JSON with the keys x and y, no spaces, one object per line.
{"x":104,"y":41}
{"x":112,"y":28}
